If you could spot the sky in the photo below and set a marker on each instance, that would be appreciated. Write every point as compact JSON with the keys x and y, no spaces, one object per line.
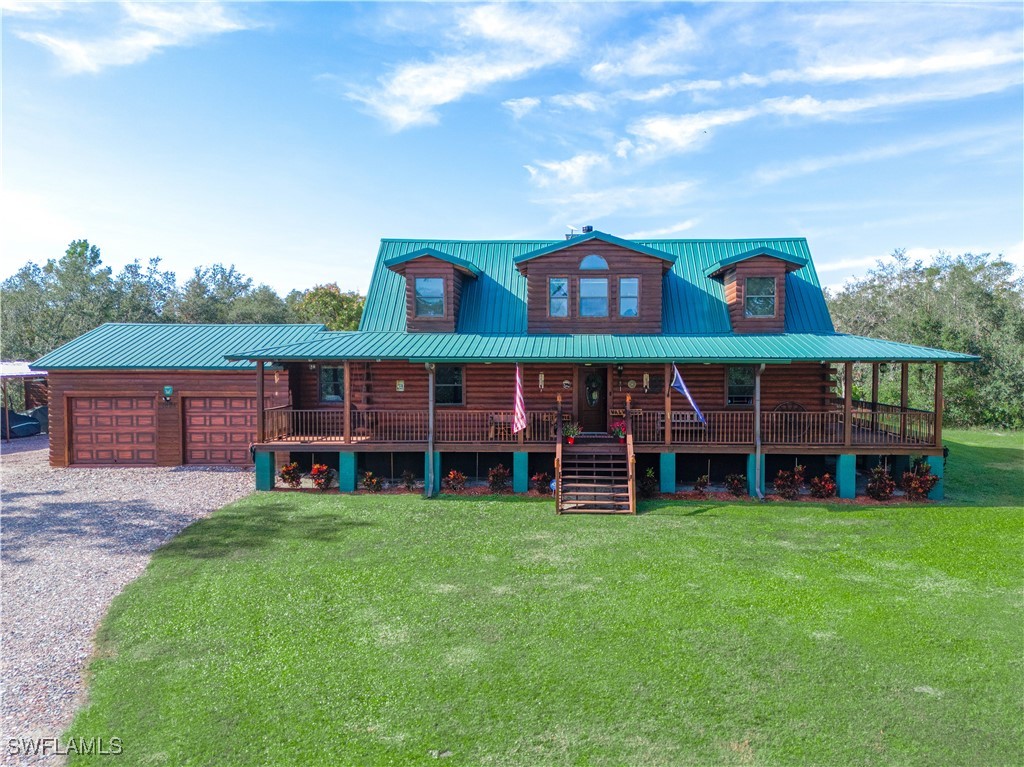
{"x":289,"y":138}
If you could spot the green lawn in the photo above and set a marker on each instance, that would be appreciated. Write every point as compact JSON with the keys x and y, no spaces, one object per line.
{"x":298,"y":629}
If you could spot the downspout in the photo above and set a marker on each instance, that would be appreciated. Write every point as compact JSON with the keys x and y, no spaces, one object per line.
{"x":430,"y":429}
{"x":757,"y":430}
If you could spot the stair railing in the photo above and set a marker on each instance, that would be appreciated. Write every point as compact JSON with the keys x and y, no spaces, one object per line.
{"x":558,"y":457}
{"x":630,"y":455}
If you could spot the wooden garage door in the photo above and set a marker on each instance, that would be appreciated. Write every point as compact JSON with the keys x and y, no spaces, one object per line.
{"x":218,"y":430}
{"x":113,"y":430}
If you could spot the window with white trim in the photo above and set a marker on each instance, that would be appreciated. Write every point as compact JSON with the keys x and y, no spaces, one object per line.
{"x":593,"y":296}
{"x":558,"y":297}
{"x":629,"y":296}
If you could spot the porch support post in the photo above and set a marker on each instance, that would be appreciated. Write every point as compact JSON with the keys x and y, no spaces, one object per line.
{"x":938,"y":467}
{"x":346,"y":472}
{"x":348,"y":405}
{"x":848,"y":404}
{"x":846,"y":475}
{"x":264,"y":470}
{"x":430,"y":479}
{"x":755,"y":474}
{"x":874,"y":396}
{"x":431,"y":473}
{"x":904,"y":398}
{"x":758,"y":479}
{"x":520,"y":471}
{"x":667,"y":472}
{"x":939,"y":404}
{"x":668,"y":409}
{"x":261,"y":405}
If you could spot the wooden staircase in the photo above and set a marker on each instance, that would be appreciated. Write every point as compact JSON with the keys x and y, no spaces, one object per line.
{"x":594,"y":478}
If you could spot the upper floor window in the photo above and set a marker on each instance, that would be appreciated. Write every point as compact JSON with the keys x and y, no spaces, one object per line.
{"x":629,"y":297}
{"x":759,"y":297}
{"x":448,"y":385}
{"x":593,"y":261}
{"x":558,"y":297}
{"x":332,"y":383}
{"x":430,"y":297}
{"x":739,"y":384}
{"x":593,"y":296}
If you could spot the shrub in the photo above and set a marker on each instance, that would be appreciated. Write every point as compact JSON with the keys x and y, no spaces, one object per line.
{"x":647,"y":486}
{"x":541,"y":482}
{"x":881,"y":485}
{"x":736,"y":484}
{"x":321,"y":475}
{"x":497,"y":478}
{"x":291,"y":475}
{"x":919,"y":482}
{"x":454,"y":480}
{"x":408,"y":480}
{"x":617,"y":428}
{"x":788,"y":483}
{"x":372,"y":483}
{"x":700,"y":487}
{"x":823,"y":486}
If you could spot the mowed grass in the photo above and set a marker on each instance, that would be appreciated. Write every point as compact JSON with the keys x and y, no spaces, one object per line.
{"x":301,"y":629}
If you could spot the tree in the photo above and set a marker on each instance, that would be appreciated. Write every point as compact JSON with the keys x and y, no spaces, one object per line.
{"x":141,"y":295}
{"x":966,"y":303}
{"x":209,"y":293}
{"x":259,"y":305}
{"x":327,"y":304}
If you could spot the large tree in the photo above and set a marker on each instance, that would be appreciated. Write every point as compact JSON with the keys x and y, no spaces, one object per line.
{"x":966,"y":303}
{"x":329,"y":305}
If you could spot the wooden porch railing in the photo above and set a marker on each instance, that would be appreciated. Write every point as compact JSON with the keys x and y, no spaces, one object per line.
{"x":630,"y":457}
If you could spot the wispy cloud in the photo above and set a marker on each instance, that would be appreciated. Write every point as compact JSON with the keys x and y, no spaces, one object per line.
{"x":572,"y":171}
{"x":804,"y":166}
{"x":649,"y":200}
{"x":648,"y":234}
{"x":664,"y":52}
{"x":521,"y":107}
{"x":501,"y":43}
{"x":144,"y":29}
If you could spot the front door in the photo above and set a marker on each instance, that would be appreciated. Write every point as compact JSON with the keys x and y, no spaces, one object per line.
{"x":593,"y":399}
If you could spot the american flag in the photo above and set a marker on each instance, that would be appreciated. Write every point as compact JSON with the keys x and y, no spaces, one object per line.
{"x":519,"y":417}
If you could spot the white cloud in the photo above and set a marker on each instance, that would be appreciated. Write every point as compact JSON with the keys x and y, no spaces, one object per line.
{"x":144,"y":29}
{"x":770,"y":174}
{"x":586,"y":101}
{"x":649,"y":234}
{"x":500,"y":43}
{"x":683,"y":133}
{"x":572,"y":171}
{"x":592,"y":204}
{"x":521,"y":107}
{"x":662,"y":53}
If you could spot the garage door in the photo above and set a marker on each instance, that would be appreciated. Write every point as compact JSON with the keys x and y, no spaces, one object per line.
{"x":113,"y":430}
{"x":218,"y":430}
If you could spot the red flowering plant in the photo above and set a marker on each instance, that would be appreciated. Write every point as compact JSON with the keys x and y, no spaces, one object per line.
{"x":321,"y":474}
{"x":290,"y":474}
{"x":454,"y":481}
{"x":919,"y":482}
{"x":788,"y":483}
{"x":823,"y":486}
{"x":617,"y":428}
{"x":372,"y":483}
{"x":881,"y":485}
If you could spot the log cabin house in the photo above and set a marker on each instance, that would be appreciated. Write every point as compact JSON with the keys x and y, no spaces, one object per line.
{"x":596,"y":325}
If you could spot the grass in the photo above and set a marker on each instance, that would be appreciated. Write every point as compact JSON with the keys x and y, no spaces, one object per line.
{"x":300,"y":629}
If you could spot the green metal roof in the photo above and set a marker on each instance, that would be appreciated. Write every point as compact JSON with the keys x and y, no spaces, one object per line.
{"x":471,"y":347}
{"x":495,"y":303}
{"x":731,"y":260}
{"x":454,"y":260}
{"x":123,"y":346}
{"x":595,"y":235}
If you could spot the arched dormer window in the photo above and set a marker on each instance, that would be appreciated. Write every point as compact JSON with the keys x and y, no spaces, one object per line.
{"x":593,"y":262}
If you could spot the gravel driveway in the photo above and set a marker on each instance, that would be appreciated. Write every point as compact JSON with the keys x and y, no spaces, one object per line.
{"x":71,"y":539}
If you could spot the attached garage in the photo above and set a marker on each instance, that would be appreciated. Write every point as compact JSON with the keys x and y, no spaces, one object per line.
{"x":113,"y":430}
{"x":161,"y":395}
{"x":219,"y":430}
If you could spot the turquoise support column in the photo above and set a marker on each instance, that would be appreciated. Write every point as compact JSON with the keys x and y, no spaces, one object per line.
{"x":752,"y":473}
{"x":346,"y":472}
{"x":437,"y":470}
{"x":667,"y":473}
{"x":846,"y":475}
{"x":938,"y":467}
{"x":520,"y":472}
{"x":264,"y":471}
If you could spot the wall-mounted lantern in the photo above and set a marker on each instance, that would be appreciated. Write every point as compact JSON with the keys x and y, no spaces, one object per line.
{"x":168,"y":391}
{"x":540,"y":381}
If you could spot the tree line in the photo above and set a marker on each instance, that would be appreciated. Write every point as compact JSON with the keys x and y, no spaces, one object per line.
{"x":963,"y":303}
{"x":45,"y":306}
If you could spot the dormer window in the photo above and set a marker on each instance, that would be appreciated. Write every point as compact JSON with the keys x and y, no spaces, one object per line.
{"x":430,"y":297}
{"x":629,"y":297}
{"x":593,"y":262}
{"x":593,"y":296}
{"x":759,"y":297}
{"x":558,"y":297}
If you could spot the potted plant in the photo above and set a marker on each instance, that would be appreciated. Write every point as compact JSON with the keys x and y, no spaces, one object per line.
{"x":618,"y":429}
{"x":571,"y":430}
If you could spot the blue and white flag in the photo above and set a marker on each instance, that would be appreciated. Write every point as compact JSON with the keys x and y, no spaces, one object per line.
{"x":680,"y":386}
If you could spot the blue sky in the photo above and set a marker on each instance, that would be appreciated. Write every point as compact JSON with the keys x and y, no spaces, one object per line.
{"x":289,"y":138}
